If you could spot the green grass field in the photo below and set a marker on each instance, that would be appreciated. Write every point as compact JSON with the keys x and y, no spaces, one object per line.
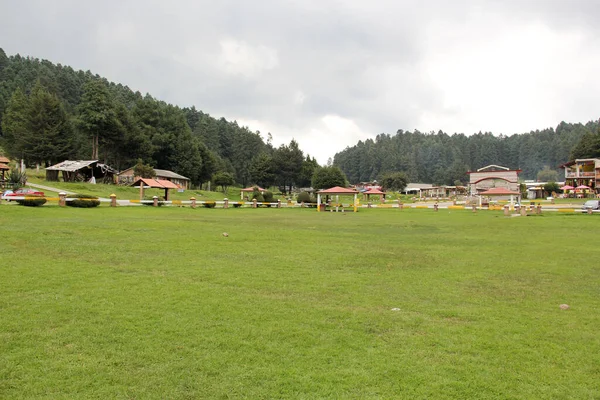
{"x":154,"y":303}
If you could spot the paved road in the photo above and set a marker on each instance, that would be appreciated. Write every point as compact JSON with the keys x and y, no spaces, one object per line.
{"x":48,"y":188}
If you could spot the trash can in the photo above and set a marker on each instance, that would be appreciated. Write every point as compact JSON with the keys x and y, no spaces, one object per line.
{"x":321,"y":207}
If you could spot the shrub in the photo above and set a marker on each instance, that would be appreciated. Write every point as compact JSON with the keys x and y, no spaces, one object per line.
{"x":83,"y":201}
{"x":268,"y":196}
{"x":34,"y":200}
{"x":304,"y":197}
{"x":17,"y":178}
{"x":210,"y":204}
{"x":160,"y":200}
{"x":259,"y":198}
{"x":237,"y":205}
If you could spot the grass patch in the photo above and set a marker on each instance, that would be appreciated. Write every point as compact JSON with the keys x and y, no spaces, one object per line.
{"x":156,"y":303}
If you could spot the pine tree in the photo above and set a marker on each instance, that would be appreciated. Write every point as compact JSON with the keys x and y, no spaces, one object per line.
{"x":97,"y":117}
{"x":15,"y":123}
{"x":49,"y":135}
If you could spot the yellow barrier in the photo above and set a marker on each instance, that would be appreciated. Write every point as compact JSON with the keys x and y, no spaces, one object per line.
{"x":421,"y":206}
{"x":566,"y":210}
{"x":456,"y":207}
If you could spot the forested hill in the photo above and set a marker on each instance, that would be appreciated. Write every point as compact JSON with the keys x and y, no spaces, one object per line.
{"x":444,"y":159}
{"x":51,"y":112}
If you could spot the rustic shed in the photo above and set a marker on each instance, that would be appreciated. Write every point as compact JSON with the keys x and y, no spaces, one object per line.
{"x":81,"y":171}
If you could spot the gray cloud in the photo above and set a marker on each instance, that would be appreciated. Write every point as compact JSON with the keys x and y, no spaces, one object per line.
{"x":341,"y":69}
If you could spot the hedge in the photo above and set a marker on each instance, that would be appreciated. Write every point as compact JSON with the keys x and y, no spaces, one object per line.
{"x":33,"y":200}
{"x":83,"y":201}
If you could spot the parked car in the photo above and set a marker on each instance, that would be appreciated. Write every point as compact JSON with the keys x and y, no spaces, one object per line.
{"x":591,"y":204}
{"x":21,"y":192}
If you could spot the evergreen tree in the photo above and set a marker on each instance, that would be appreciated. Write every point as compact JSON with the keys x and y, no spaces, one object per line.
{"x":15,"y":124}
{"x":288,"y":164}
{"x":97,"y":117}
{"x":309,"y":166}
{"x":587,"y":147}
{"x":261,"y":170}
{"x":49,"y":137}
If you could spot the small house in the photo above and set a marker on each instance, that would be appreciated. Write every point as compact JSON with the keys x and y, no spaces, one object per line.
{"x":127,"y":177}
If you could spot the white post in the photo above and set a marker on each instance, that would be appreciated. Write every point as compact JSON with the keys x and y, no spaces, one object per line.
{"x":318,"y":202}
{"x":512,"y":202}
{"x":337,"y":201}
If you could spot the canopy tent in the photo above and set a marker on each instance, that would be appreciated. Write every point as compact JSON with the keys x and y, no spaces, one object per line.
{"x":501,"y":192}
{"x":567,"y":187}
{"x":146,"y":183}
{"x":250,"y":189}
{"x":337,"y":190}
{"x":582,"y":187}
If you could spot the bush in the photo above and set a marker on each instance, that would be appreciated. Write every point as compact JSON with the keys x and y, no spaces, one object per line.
{"x":268,"y":196}
{"x":259,"y":198}
{"x":237,"y":205}
{"x":305,"y":197}
{"x":34,"y":200}
{"x":17,"y":178}
{"x":210,"y":204}
{"x":160,"y":200}
{"x":83,"y":201}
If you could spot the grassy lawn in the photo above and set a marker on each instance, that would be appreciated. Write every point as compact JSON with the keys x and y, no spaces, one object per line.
{"x":146,"y":302}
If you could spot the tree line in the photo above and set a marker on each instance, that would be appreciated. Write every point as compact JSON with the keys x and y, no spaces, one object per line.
{"x":441,"y":158}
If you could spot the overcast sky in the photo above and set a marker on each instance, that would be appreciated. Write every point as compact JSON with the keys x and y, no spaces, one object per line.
{"x":330,"y":73}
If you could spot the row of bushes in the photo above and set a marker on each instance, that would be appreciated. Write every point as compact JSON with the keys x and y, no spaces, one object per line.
{"x":80,"y":201}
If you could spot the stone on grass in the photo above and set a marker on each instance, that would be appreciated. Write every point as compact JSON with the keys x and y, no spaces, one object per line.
{"x":395,"y":309}
{"x":225,"y":234}
{"x":564,"y":307}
